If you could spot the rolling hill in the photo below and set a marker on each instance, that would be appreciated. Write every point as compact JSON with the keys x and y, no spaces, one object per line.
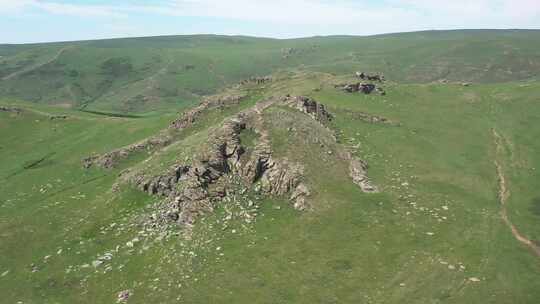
{"x":146,"y":170}
{"x":156,"y":73}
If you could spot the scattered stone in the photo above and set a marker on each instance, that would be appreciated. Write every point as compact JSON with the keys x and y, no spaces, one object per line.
{"x":57,"y":117}
{"x":97,"y":263}
{"x":374,"y":77}
{"x":123,"y":296}
{"x":358,"y":173}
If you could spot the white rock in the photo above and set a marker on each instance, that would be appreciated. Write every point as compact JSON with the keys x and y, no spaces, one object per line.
{"x":474,"y":279}
{"x":97,"y":263}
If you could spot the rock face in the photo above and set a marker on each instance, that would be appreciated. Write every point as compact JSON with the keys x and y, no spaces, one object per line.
{"x":194,"y":189}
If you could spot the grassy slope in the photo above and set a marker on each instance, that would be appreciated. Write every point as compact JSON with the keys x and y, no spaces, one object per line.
{"x":154,"y":73}
{"x":354,"y":248}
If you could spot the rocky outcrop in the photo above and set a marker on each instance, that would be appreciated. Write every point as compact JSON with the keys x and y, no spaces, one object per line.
{"x":309,"y":106}
{"x":256,"y":80}
{"x":370,"y":118}
{"x":194,"y":189}
{"x":217,"y":101}
{"x":110,"y":160}
{"x":162,"y":185}
{"x":374,"y":77}
{"x":358,"y":173}
{"x":58,"y":117}
{"x":10,"y":109}
{"x":164,"y":138}
{"x":274,"y":176}
{"x":365,"y":88}
{"x":224,"y":162}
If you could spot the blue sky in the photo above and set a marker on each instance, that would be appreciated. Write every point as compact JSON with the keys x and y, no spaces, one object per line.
{"x":23,"y":21}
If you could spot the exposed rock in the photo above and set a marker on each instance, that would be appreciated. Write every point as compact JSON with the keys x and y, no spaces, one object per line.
{"x":57,"y":117}
{"x":309,"y":106}
{"x":162,"y":185}
{"x":365,"y":88}
{"x":257,"y":80}
{"x":217,"y":101}
{"x":192,"y":190}
{"x":10,"y":109}
{"x":110,"y":160}
{"x":370,"y":118}
{"x":358,"y":172}
{"x":123,"y":296}
{"x":374,"y":77}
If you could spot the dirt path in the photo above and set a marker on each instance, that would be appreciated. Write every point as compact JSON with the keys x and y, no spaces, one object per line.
{"x":504,"y":194}
{"x":16,"y":73}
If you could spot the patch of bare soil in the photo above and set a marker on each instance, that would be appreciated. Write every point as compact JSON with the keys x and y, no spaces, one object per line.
{"x":504,"y":194}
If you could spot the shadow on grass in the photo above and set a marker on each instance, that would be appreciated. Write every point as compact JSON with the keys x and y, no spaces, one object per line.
{"x":535,"y":206}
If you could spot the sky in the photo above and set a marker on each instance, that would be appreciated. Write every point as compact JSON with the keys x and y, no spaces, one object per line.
{"x":28,"y":21}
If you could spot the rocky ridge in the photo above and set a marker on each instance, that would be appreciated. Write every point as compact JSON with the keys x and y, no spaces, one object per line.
{"x":164,"y":138}
{"x":224,"y":164}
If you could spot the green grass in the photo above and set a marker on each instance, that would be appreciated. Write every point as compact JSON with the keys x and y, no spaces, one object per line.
{"x":438,"y":207}
{"x":160,"y":73}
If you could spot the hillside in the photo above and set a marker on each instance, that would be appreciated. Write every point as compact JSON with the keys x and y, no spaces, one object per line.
{"x":296,"y":188}
{"x":157,"y":73}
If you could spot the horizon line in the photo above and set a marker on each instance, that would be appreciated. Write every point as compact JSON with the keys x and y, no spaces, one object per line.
{"x":269,"y":38}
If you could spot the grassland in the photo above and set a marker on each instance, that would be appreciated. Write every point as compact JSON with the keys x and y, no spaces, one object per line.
{"x":434,"y":233}
{"x":160,"y":73}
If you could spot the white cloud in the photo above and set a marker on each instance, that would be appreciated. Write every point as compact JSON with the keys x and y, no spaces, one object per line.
{"x":80,"y":10}
{"x":292,"y":18}
{"x":9,"y":6}
{"x":61,"y":8}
